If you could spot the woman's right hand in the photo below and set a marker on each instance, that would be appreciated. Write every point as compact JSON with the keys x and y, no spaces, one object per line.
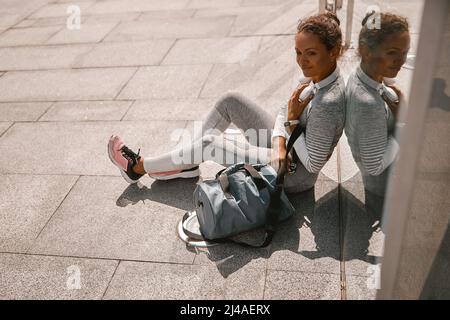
{"x":279,"y":153}
{"x":394,"y":106}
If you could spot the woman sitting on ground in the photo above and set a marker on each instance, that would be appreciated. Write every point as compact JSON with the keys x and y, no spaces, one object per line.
{"x":318,"y":46}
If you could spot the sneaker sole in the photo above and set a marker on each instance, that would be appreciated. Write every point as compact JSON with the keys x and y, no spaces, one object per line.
{"x":122,"y":172}
{"x":185,"y":175}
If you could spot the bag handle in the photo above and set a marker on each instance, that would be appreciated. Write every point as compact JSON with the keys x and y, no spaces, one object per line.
{"x":225,"y":184}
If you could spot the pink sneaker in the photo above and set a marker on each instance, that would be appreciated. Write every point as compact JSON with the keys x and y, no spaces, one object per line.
{"x":124,"y":158}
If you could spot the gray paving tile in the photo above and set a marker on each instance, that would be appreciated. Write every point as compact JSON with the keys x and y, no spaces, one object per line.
{"x":361,"y":288}
{"x":56,"y":85}
{"x":54,"y":21}
{"x":281,"y":19}
{"x":281,"y":285}
{"x":41,"y":277}
{"x":14,"y":12}
{"x":275,"y":78}
{"x":225,"y":50}
{"x":24,"y":7}
{"x":117,"y":6}
{"x":86,"y":111}
{"x":4,"y":125}
{"x":161,"y":281}
{"x":79,"y":145}
{"x":27,"y":36}
{"x":230,"y":11}
{"x":309,"y":242}
{"x":30,"y":111}
{"x":7,"y":20}
{"x":252,"y":3}
{"x":125,"y":54}
{"x":27,"y":23}
{"x":41,"y":57}
{"x":166,"y":82}
{"x":27,"y":203}
{"x":60,"y":9}
{"x":216,"y":4}
{"x":169,"y":109}
{"x":274,"y":46}
{"x":166,"y":14}
{"x":87,"y":33}
{"x":273,"y":71}
{"x":113,"y":17}
{"x":173,"y":28}
{"x":66,"y":1}
{"x":105,"y":217}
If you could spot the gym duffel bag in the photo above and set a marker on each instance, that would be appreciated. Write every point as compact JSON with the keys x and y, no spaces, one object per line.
{"x":243,"y":197}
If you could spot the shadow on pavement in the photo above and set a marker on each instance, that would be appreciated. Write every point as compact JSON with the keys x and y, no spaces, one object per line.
{"x":176,"y":193}
{"x":321,"y":217}
{"x":359,"y":224}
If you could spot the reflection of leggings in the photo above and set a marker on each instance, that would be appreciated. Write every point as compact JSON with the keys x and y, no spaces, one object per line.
{"x":245,"y":114}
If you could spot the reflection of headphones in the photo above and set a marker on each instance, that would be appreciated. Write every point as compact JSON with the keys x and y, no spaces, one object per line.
{"x":390,"y":94}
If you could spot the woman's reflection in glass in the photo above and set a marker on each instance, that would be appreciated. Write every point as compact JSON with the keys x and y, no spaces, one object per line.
{"x":373,"y":103}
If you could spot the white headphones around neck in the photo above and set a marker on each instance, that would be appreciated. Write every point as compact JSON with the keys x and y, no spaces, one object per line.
{"x":390,"y":94}
{"x":310,"y":90}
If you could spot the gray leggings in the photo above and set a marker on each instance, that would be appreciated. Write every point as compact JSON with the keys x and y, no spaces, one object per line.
{"x":209,"y":144}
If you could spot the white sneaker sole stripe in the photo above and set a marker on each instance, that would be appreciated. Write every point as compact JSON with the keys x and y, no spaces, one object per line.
{"x":185,"y":174}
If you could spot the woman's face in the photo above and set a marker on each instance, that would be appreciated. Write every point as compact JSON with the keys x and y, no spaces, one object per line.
{"x":387,"y":59}
{"x":313,"y":56}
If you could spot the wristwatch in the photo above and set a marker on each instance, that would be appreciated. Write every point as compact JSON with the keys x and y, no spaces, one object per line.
{"x":291,"y":123}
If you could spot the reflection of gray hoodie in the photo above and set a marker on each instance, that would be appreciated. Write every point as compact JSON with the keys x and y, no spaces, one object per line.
{"x":369,"y":126}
